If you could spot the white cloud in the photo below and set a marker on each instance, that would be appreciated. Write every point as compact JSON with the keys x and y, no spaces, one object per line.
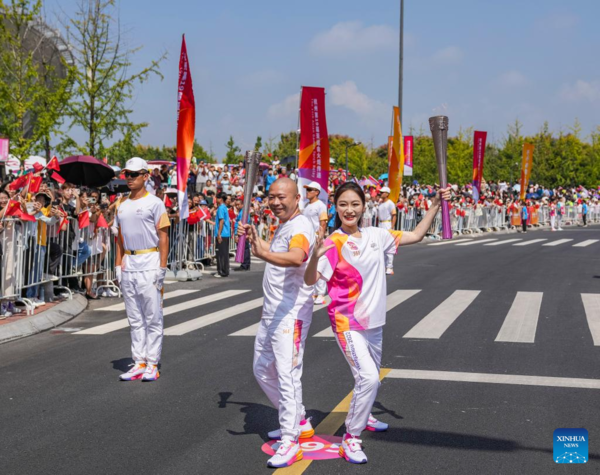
{"x":581,"y":91}
{"x":286,"y":108}
{"x":512,"y":79}
{"x":266,"y":77}
{"x":448,"y":55}
{"x":352,"y":38}
{"x":347,"y":95}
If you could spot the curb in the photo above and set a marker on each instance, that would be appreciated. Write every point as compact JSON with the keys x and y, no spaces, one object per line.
{"x":57,"y":315}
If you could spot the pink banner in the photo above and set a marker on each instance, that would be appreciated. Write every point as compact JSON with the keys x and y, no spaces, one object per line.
{"x":3,"y":150}
{"x":408,"y":155}
{"x":478,"y":156}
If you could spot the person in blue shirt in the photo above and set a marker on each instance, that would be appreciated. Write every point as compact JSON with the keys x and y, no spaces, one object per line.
{"x":331,"y":215}
{"x":239,"y":204}
{"x":270,"y":179}
{"x":524,"y":215}
{"x":584,"y":212}
{"x":223,"y":227}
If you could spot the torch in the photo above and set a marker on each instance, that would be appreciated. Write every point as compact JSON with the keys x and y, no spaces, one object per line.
{"x":251,"y":166}
{"x":439,"y":132}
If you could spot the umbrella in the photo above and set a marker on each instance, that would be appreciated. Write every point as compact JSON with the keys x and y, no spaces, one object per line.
{"x":86,"y":171}
{"x":383,"y":177}
{"x":116,"y":186}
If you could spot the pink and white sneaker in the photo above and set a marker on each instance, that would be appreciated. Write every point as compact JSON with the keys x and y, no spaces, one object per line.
{"x":306,"y":430}
{"x":151,"y":373}
{"x":376,"y":426}
{"x":351,"y":449}
{"x":287,"y":454}
{"x":134,"y":373}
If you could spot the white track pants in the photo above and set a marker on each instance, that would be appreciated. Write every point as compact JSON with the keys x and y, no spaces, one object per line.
{"x":143,"y":304}
{"x":278,"y":353}
{"x":362,"y":350}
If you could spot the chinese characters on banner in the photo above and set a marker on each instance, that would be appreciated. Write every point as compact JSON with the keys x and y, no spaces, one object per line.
{"x":3,"y":150}
{"x":313,"y":163}
{"x":408,"y":155}
{"x":478,"y":155}
{"x":396,"y":159}
{"x":526,"y":168}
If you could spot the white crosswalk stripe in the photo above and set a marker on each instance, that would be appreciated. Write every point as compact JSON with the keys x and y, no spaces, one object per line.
{"x":439,"y":320}
{"x":521,"y":322}
{"x":591,"y":304}
{"x":248,"y":331}
{"x":557,"y":243}
{"x":119,"y":307}
{"x":393,"y":300}
{"x":449,"y":241}
{"x":124,"y":323}
{"x":532,"y":241}
{"x":476,"y":242}
{"x":211,"y":318}
{"x":587,"y":243}
{"x":499,"y":243}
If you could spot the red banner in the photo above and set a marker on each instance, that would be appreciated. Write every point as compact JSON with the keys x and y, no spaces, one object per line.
{"x":396,"y":159}
{"x":409,"y":146}
{"x":186,"y":125}
{"x":313,"y":163}
{"x":526,"y":168}
{"x":478,"y":156}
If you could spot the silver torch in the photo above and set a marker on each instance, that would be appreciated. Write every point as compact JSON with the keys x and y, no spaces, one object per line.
{"x":439,"y":132}
{"x":251,"y":167}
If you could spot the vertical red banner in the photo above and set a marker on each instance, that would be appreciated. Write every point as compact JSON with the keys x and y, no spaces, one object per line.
{"x":526,"y":168}
{"x":313,"y":163}
{"x":186,"y":125}
{"x":409,"y":146}
{"x":478,"y":156}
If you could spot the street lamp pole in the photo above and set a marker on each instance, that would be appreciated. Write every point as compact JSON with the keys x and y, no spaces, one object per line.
{"x":348,"y":145}
{"x":401,"y":78}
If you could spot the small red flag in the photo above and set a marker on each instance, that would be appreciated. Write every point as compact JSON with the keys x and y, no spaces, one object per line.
{"x":34,"y":184}
{"x":168,"y":202}
{"x":27,"y":217}
{"x":13,"y":208}
{"x":105,"y":160}
{"x":38,"y":167}
{"x":193,"y":218}
{"x":56,"y":177}
{"x":84,"y":219}
{"x":19,"y":183}
{"x":53,"y":164}
{"x":101,"y":223}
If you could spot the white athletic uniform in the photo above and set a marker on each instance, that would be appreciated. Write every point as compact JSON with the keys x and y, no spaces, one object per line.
{"x":286,"y":317}
{"x":139,"y":221}
{"x":317,"y":212}
{"x":355,"y":274}
{"x":385,"y":211}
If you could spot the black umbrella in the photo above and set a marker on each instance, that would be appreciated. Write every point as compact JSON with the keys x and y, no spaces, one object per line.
{"x":86,"y":171}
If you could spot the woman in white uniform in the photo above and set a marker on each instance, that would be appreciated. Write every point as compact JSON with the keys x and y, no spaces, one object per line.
{"x":352,"y":262}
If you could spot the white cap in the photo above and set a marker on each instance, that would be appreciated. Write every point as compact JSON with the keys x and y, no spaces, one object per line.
{"x":314,"y":185}
{"x":385,"y":189}
{"x":136,"y":164}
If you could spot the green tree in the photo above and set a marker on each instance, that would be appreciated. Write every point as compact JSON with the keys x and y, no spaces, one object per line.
{"x":35,"y":80}
{"x":258,"y":144}
{"x":104,"y":85}
{"x":201,"y":154}
{"x":287,"y":145}
{"x":233,"y":155}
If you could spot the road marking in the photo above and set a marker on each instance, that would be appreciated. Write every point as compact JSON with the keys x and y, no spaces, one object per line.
{"x":527,"y":243}
{"x":124,"y":323}
{"x":591,"y":304}
{"x":495,"y":378}
{"x":585,"y":243}
{"x":521,"y":322}
{"x":449,"y":242}
{"x":248,"y":331}
{"x":393,"y":300}
{"x":439,"y":320}
{"x":476,"y":242}
{"x":119,"y":307}
{"x":328,"y":426}
{"x":556,"y":243}
{"x":506,"y":241}
{"x":211,"y":318}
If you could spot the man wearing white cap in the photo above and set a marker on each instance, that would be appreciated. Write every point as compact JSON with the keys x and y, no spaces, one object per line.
{"x":386,"y":212}
{"x":141,"y":266}
{"x":316,"y":212}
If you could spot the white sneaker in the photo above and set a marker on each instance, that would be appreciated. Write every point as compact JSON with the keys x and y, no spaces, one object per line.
{"x":151,"y":373}
{"x":389,"y":271}
{"x":37,"y":302}
{"x":306,"y":431}
{"x":134,"y":373}
{"x":376,"y":426}
{"x":320,"y":300}
{"x":110,"y":293}
{"x":287,"y":453}
{"x":351,"y":449}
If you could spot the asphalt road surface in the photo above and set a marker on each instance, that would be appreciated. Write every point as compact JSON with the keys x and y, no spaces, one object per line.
{"x":491,"y":344}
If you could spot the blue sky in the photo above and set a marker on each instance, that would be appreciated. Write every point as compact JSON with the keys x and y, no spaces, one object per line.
{"x":482,"y":63}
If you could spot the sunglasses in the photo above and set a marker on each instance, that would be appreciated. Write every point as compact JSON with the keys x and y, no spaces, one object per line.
{"x":311,"y":189}
{"x":134,"y":174}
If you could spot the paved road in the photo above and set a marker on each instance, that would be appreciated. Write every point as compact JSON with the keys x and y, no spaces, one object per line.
{"x":516,"y":315}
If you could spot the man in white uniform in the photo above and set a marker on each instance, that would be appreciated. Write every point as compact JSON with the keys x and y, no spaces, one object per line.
{"x":286,"y":317}
{"x":141,"y":266}
{"x":386,"y":212}
{"x":316,"y":211}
